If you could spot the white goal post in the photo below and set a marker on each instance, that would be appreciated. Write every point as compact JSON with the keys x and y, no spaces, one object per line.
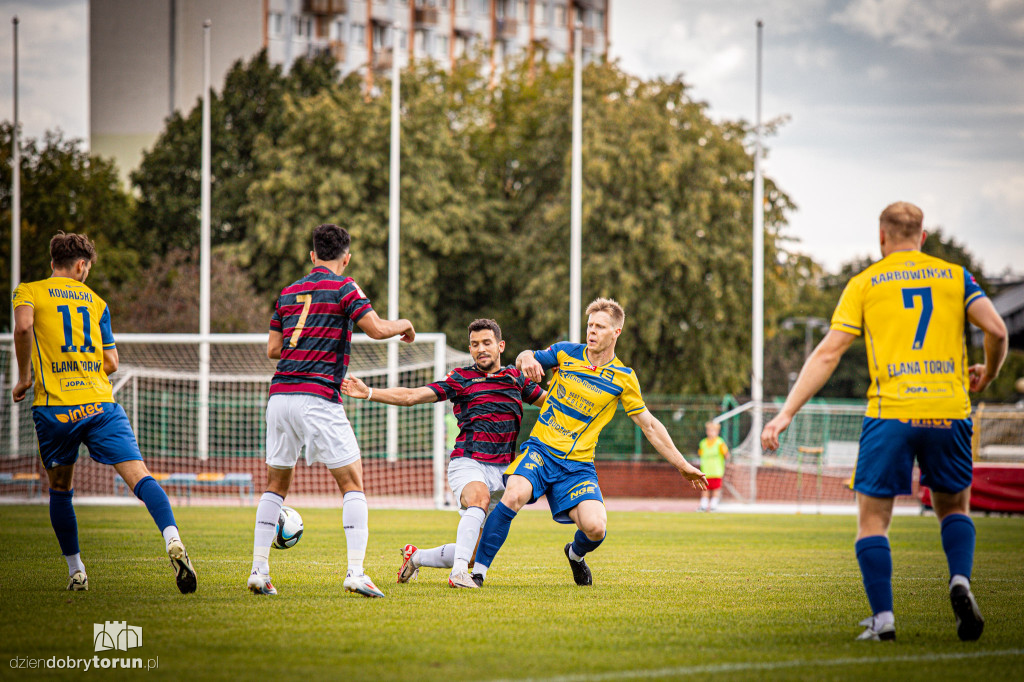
{"x":160,"y":383}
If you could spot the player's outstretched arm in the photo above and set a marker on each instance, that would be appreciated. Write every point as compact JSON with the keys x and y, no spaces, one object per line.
{"x":355,"y":388}
{"x":528,"y":365}
{"x":24,"y":323}
{"x":657,"y":434}
{"x":379,"y":329}
{"x":983,"y":315}
{"x":815,"y":373}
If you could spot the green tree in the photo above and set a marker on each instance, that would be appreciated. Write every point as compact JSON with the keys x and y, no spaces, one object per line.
{"x":250,"y":106}
{"x":63,"y":187}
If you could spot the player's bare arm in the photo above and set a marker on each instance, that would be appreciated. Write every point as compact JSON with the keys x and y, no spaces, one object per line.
{"x":657,"y":434}
{"x":275,"y":342}
{"x":379,"y":329}
{"x":816,"y":371}
{"x":111,"y":361}
{"x":539,"y":402}
{"x":355,"y":388}
{"x":528,"y":365}
{"x":24,"y":322}
{"x":982,"y":314}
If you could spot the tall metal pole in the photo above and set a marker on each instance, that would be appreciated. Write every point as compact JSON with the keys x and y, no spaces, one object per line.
{"x":15,"y":240}
{"x":204,"y":261}
{"x":757,"y":337}
{"x":576,"y":198}
{"x":393,"y":242}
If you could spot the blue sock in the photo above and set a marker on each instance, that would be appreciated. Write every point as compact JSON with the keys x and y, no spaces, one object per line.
{"x":63,"y":520}
{"x":493,"y":535}
{"x":875,"y":559}
{"x":155,"y":499}
{"x":581,"y":544}
{"x":958,"y":543}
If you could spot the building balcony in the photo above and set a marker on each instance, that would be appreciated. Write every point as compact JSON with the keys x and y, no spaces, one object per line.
{"x":321,"y":7}
{"x":427,"y":16}
{"x":507,"y":29}
{"x":592,"y":37}
{"x":338,"y":50}
{"x":383,"y":58}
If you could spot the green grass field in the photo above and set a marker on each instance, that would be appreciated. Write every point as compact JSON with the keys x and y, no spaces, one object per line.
{"x":675,"y":597}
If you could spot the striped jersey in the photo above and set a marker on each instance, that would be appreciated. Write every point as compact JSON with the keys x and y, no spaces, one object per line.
{"x":315,"y":315}
{"x":489,"y":410}
{"x":581,"y":401}
{"x":911,"y":309}
{"x":71,"y":329}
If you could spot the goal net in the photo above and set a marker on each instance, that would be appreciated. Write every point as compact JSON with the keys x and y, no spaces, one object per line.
{"x":202,"y":430}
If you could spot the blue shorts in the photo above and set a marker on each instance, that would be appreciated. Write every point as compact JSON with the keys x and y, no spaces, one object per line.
{"x":102,"y":427}
{"x":565,"y":482}
{"x":888,"y":447}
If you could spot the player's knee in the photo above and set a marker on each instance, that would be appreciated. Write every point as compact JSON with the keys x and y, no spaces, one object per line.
{"x":595,"y":529}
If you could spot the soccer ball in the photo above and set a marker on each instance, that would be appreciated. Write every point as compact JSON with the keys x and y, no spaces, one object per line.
{"x":289,"y":528}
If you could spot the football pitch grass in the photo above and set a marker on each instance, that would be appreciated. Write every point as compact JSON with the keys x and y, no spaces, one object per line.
{"x":675,"y":596}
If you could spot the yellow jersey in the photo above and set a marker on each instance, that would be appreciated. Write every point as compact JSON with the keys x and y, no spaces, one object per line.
{"x":71,"y":331}
{"x":581,"y":401}
{"x":912,"y":309}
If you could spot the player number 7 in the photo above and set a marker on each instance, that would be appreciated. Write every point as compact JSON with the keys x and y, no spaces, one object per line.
{"x":306,"y":300}
{"x":925,"y":294}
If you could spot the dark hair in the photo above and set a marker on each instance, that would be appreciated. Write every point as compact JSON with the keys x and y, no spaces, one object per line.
{"x":68,"y":249}
{"x":485,"y":323}
{"x":330,"y":241}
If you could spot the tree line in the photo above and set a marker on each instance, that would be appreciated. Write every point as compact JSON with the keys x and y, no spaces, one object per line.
{"x":485,"y":183}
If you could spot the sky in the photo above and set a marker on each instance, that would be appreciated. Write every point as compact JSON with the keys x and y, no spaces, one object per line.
{"x":881,"y":101}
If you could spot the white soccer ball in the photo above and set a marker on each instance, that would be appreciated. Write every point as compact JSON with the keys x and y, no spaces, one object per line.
{"x":289,"y":528}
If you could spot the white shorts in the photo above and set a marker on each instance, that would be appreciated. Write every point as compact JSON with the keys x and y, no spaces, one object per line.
{"x":464,"y":470}
{"x":296,"y":421}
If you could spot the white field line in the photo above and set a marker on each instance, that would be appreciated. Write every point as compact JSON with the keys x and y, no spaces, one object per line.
{"x":768,"y":666}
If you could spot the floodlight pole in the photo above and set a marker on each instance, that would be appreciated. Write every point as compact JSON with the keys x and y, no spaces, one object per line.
{"x":204,"y":261}
{"x":394,"y":236}
{"x":576,"y":198}
{"x":757,"y":337}
{"x":15,"y":241}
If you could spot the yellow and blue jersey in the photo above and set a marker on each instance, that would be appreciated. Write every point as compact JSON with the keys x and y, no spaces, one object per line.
{"x":911,"y":309}
{"x":71,"y":331}
{"x":581,"y":400}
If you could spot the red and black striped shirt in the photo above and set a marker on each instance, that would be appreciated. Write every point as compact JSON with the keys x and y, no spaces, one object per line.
{"x":489,"y":409}
{"x":316,"y":315}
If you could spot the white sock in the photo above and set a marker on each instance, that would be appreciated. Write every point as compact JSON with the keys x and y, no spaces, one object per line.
{"x":573,"y":555}
{"x":884,"y":618}
{"x":436,"y":557}
{"x":355,"y":517}
{"x":959,"y":579}
{"x":170,"y":533}
{"x":480,"y":570}
{"x":466,"y":536}
{"x":74,"y":563}
{"x":703,"y":503}
{"x":267,"y":514}
{"x":714,"y":503}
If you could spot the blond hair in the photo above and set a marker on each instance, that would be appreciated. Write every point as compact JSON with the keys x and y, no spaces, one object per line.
{"x":610,"y":306}
{"x":902,"y":221}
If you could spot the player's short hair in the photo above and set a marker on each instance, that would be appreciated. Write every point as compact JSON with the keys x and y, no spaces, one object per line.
{"x":483,"y":323}
{"x":68,"y":249}
{"x":610,"y":306}
{"x":330,"y":242}
{"x":902,"y":221}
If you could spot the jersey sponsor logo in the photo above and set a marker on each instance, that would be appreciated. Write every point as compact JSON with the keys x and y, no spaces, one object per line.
{"x":929,"y":423}
{"x":537,"y":458}
{"x":905,"y":275}
{"x":80,"y":413}
{"x":585,"y":488}
{"x":932,"y":389}
{"x":569,"y":376}
{"x":77,"y":384}
{"x":923,"y":367}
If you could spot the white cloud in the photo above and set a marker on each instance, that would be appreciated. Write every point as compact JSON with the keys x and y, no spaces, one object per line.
{"x":906,"y":23}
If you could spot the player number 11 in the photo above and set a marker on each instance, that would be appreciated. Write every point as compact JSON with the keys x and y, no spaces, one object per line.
{"x":69,"y":347}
